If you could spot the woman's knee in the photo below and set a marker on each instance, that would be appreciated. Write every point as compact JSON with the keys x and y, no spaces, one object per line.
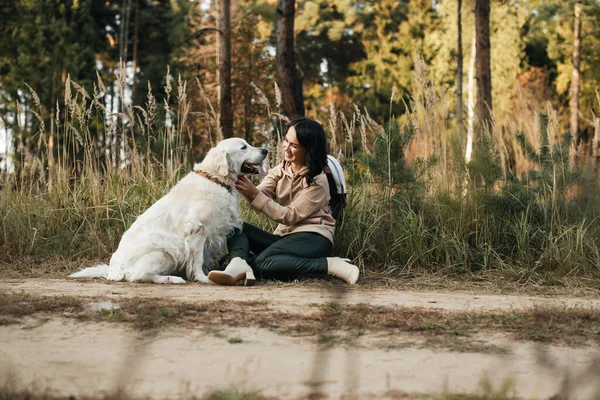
{"x":264,"y":262}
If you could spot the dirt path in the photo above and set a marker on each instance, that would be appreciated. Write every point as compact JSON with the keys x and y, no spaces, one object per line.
{"x":91,"y":358}
{"x":293,"y":296}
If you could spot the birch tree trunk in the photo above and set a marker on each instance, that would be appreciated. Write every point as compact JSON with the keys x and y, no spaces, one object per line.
{"x":471,"y":101}
{"x":50,"y":144}
{"x":574,"y":150}
{"x":136,"y":28}
{"x":121,"y":146}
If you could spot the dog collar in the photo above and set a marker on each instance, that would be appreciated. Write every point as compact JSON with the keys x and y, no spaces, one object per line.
{"x":213,"y":179}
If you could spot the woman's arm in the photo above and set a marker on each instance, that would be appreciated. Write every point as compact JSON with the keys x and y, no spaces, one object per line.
{"x":307,"y":203}
{"x":268,"y":185}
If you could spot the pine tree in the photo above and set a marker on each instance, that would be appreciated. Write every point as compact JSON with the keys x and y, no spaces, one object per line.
{"x":459,"y":74}
{"x":46,"y":40}
{"x":290,"y":80}
{"x":574,"y":100}
{"x":252,"y":28}
{"x":392,"y":33}
{"x":225,"y":99}
{"x":549,"y":47}
{"x":484,"y":74}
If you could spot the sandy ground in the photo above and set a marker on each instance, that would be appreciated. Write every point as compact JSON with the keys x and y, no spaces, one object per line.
{"x":292,"y":296}
{"x":77,"y":358}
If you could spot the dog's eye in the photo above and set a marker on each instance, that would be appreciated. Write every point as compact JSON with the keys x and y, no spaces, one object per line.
{"x":244,"y":147}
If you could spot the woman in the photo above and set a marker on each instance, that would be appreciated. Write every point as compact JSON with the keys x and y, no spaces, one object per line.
{"x":296,"y":194}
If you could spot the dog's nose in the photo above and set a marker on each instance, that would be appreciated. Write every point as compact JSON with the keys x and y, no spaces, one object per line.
{"x":264,"y":151}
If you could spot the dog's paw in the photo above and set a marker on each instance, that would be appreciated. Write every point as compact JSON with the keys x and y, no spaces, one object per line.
{"x":175,"y":280}
{"x":202,"y":279}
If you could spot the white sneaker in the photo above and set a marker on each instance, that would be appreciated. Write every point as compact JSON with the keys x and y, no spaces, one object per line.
{"x":237,"y":270}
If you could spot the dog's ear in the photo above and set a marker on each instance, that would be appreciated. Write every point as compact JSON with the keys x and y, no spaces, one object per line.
{"x":216,"y":162}
{"x":222,"y":163}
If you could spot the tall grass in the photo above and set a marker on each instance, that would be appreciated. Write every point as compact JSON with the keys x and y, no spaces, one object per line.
{"x":77,"y":198}
{"x":414,"y":203}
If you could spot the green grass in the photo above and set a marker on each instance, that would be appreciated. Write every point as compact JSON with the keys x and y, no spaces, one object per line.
{"x":8,"y":321}
{"x":11,"y":392}
{"x":111,"y":315}
{"x":166,"y":312}
{"x":234,"y":394}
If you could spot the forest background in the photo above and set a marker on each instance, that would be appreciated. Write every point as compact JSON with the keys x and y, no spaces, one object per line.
{"x":447,"y":176}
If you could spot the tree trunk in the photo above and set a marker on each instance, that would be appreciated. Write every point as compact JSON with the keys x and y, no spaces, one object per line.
{"x":122,"y":28}
{"x":459,"y":76}
{"x":8,"y":141}
{"x":596,"y":139}
{"x":136,"y":28}
{"x":595,"y":157}
{"x":123,"y":34}
{"x":290,"y":81}
{"x":120,"y":98}
{"x":484,"y":75}
{"x":575,"y":86}
{"x":111,"y":133}
{"x":225,"y":101}
{"x":50,"y":144}
{"x":471,"y":100}
{"x":248,"y":122}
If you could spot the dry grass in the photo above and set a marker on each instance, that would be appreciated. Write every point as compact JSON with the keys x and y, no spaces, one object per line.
{"x":75,"y":199}
{"x":11,"y":392}
{"x":58,"y":267}
{"x":8,"y":393}
{"x":332,"y":323}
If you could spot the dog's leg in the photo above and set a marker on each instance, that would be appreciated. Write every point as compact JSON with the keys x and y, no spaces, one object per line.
{"x":154,"y":278}
{"x":150,"y":266}
{"x":167,"y":279}
{"x":194,"y":268}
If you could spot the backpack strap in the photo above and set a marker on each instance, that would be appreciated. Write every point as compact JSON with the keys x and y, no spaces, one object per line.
{"x":337,"y":173}
{"x":330,"y":181}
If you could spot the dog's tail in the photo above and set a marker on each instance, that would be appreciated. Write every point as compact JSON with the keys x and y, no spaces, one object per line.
{"x":97,"y":271}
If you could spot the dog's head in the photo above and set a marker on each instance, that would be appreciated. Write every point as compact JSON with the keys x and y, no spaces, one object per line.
{"x":232,"y":157}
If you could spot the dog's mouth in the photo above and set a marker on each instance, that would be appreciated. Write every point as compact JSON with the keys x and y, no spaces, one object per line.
{"x":248,"y":168}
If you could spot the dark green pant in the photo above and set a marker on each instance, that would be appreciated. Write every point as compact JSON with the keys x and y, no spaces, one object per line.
{"x":281,"y":257}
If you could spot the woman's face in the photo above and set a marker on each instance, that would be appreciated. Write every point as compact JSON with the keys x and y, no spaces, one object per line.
{"x":292,"y":149}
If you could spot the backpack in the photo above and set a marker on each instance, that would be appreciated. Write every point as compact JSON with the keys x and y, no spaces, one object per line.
{"x":337,"y":186}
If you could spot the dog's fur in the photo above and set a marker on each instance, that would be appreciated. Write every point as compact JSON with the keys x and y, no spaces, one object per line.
{"x":186,"y":228}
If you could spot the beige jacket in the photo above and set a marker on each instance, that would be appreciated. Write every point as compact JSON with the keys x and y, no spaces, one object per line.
{"x":286,"y":198}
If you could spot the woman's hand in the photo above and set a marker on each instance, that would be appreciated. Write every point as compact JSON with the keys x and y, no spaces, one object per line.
{"x":246,"y":188}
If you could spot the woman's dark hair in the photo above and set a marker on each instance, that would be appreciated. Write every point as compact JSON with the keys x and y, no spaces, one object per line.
{"x":311,"y":137}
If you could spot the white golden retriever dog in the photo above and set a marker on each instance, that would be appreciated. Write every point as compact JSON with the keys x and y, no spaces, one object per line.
{"x":186,"y":228}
